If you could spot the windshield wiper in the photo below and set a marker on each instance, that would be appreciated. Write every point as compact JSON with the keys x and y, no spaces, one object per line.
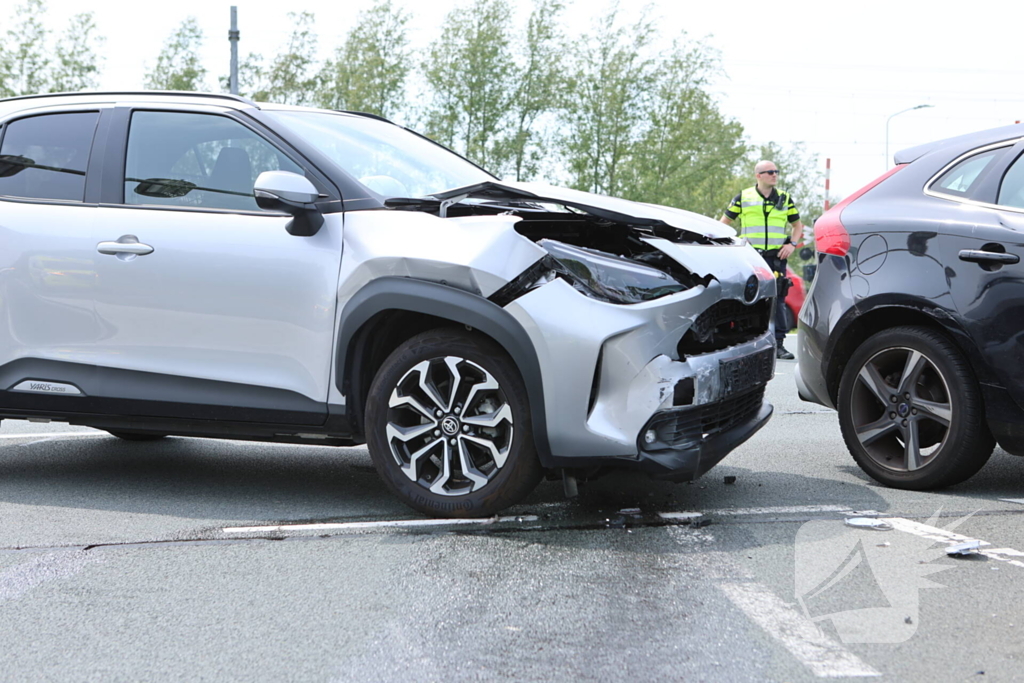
{"x":413,"y":203}
{"x":424,"y":203}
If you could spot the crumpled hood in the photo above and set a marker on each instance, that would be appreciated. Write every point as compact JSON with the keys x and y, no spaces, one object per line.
{"x":611,"y":208}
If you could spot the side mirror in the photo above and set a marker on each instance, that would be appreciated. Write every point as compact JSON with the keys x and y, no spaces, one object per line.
{"x":293,"y":194}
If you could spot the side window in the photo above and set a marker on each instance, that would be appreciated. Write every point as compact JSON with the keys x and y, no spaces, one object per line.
{"x":199,"y":160}
{"x":959,"y":180}
{"x":45,"y":157}
{"x":1011,"y":192}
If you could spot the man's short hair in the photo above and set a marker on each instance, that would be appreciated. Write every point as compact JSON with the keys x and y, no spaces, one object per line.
{"x":761,"y":165}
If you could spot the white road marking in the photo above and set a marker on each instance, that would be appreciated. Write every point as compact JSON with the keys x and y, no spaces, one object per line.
{"x":1019,"y":501}
{"x":680,"y":515}
{"x":33,"y":442}
{"x":798,"y":634}
{"x":60,"y":435}
{"x":383,"y":524}
{"x":945,"y":536}
{"x":414,"y":523}
{"x":20,"y":579}
{"x":781,"y":510}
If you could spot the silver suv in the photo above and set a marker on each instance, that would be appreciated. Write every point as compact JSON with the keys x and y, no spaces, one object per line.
{"x":205,"y":266}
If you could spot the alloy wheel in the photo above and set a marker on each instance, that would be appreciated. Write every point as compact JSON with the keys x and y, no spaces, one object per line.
{"x":449,"y":425}
{"x":901,"y":409}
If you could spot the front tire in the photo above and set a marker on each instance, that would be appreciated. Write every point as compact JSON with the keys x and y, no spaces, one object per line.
{"x":911,"y":411}
{"x":448,"y":426}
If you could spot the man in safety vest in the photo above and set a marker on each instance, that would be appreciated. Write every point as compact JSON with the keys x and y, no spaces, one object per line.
{"x":764,"y":214}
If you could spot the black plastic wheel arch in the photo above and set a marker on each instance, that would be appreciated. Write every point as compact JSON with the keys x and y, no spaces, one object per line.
{"x":448,"y":303}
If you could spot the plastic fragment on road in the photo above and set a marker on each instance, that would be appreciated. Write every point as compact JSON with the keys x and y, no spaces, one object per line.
{"x":868,"y":523}
{"x":965,"y":548}
{"x":730,"y":480}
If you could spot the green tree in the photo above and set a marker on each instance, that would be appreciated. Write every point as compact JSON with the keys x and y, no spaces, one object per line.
{"x":369,"y":71}
{"x":536,"y":83}
{"x":291,"y":76}
{"x":689,"y":151}
{"x":611,"y":82}
{"x":178,"y":67}
{"x":469,"y":70}
{"x":801,"y":174}
{"x":24,"y":62}
{"x":76,"y":66}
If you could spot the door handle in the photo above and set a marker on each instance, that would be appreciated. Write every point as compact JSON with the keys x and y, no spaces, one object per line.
{"x":978,"y":256}
{"x":126,"y":247}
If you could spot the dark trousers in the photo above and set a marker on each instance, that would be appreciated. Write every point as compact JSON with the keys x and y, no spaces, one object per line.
{"x":782,"y":283}
{"x":781,"y":320}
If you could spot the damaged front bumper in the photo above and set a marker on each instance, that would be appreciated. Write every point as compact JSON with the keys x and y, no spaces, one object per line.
{"x":684,"y":443}
{"x":639,"y":385}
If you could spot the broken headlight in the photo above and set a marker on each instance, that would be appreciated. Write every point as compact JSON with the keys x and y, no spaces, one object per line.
{"x":607,"y":277}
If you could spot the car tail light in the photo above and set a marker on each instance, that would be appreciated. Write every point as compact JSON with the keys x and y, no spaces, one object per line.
{"x":830,"y":235}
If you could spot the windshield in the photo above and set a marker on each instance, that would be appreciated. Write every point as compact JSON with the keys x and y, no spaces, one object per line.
{"x":386,"y":158}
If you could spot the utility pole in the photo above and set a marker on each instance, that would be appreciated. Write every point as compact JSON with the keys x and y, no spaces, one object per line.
{"x":233,"y":38}
{"x":828,"y":172}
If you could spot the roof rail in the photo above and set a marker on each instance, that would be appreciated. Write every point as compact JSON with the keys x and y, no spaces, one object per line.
{"x":176,"y":93}
{"x":366,"y":114}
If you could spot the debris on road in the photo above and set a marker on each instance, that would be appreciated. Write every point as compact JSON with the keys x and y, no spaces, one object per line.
{"x":963,"y":549}
{"x":730,"y":480}
{"x":868,"y":523}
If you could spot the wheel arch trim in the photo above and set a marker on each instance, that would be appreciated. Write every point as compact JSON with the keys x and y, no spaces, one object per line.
{"x":851,"y":324}
{"x":447,"y":303}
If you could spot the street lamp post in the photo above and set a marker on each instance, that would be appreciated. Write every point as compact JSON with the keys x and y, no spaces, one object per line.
{"x":920,"y":106}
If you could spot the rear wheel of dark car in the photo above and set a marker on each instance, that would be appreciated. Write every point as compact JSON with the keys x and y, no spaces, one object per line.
{"x":911,"y":412}
{"x":448,"y":426}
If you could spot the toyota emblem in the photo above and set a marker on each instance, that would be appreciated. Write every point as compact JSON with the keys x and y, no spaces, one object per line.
{"x":450,"y":425}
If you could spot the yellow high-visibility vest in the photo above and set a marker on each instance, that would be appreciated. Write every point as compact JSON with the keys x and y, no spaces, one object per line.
{"x":762,"y":230}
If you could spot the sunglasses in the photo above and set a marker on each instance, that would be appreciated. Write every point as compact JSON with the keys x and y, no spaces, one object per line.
{"x":770,"y":172}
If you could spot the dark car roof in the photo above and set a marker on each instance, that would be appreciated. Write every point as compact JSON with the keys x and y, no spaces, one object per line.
{"x":966,"y":142}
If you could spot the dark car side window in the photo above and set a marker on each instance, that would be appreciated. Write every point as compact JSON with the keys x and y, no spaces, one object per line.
{"x":45,"y":157}
{"x":962,"y":178}
{"x":1011,"y":192}
{"x":196,"y":160}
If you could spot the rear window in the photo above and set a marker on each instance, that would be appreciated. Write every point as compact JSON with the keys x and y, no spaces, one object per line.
{"x":45,"y":157}
{"x":962,"y":178}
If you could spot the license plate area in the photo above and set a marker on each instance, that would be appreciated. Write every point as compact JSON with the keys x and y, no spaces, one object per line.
{"x":740,"y":374}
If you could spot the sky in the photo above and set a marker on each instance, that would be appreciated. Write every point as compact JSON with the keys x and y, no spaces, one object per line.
{"x":826,"y":73}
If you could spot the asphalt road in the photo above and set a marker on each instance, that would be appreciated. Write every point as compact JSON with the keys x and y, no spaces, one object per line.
{"x":213,"y":560}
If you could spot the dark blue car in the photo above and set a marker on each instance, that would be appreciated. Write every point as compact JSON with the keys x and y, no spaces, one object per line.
{"x":914,"y":326}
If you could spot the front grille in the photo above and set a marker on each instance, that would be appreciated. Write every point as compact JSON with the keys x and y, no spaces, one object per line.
{"x":726,"y":324}
{"x":686,"y":427}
